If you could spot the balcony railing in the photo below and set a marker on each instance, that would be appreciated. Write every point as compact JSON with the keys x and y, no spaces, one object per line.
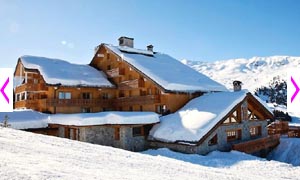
{"x":131,"y":84}
{"x":27,"y":103}
{"x":134,"y":100}
{"x":257,"y":144}
{"x":116,"y":72}
{"x":31,"y":87}
{"x":78,"y":102}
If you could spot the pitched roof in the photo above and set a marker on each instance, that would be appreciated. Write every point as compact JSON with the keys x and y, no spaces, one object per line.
{"x":197,"y":118}
{"x":166,"y":71}
{"x":56,"y":71}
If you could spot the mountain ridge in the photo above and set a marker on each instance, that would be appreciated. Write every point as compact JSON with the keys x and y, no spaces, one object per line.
{"x":254,"y":72}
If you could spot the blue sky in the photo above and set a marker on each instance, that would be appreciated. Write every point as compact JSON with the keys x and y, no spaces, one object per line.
{"x":200,"y":30}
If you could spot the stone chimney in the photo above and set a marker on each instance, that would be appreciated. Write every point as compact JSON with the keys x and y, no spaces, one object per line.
{"x":126,"y":41}
{"x":237,"y":86}
{"x":150,"y":47}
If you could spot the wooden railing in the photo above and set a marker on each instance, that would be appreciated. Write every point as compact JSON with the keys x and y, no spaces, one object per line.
{"x":134,"y":100}
{"x":257,"y":144}
{"x":77,"y":102}
{"x":131,"y":84}
{"x":27,"y":103}
{"x":115,"y":72}
{"x":31,"y":87}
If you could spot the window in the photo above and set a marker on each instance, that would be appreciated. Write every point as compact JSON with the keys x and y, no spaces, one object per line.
{"x":213,"y":140}
{"x":86,"y":110}
{"x":161,"y":109}
{"x":233,"y":118}
{"x":117,"y":133}
{"x":86,"y":96}
{"x":108,"y":67}
{"x":64,"y":95}
{"x":23,"y":96}
{"x":18,"y":97}
{"x":149,"y":91}
{"x":233,"y":135}
{"x":105,"y":96}
{"x":35,"y":81}
{"x":137,"y":131}
{"x":251,"y":115}
{"x":130,"y":108}
{"x":141,"y":108}
{"x":255,"y":131}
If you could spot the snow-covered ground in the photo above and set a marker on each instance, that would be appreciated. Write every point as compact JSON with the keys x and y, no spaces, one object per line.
{"x":26,"y":155}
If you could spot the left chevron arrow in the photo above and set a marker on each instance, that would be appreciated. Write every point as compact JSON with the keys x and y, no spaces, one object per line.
{"x":2,"y":90}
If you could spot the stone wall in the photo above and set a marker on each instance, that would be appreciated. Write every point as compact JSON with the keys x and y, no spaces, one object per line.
{"x":105,"y":135}
{"x":222,"y":144}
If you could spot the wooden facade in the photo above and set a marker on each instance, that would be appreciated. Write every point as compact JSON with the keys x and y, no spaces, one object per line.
{"x":136,"y":91}
{"x":34,"y":93}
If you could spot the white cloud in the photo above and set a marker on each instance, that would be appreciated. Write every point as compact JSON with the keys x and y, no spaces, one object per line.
{"x":67,"y":44}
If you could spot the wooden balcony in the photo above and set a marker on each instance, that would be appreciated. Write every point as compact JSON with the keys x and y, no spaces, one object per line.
{"x":30,"y":104}
{"x":131,"y":84}
{"x":116,"y":72}
{"x":78,"y":102}
{"x":257,"y":144}
{"x":31,"y":87}
{"x":137,"y":100}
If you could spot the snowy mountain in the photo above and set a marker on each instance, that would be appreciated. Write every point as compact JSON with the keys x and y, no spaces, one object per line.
{"x":25,"y":155}
{"x":254,"y":73}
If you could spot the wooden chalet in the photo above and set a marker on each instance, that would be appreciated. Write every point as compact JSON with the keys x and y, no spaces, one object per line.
{"x":56,"y":86}
{"x":218,"y":121}
{"x":149,"y":81}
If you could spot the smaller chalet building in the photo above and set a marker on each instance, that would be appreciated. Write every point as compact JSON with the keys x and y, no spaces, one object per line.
{"x":57,"y":86}
{"x":125,"y":130}
{"x":214,"y":121}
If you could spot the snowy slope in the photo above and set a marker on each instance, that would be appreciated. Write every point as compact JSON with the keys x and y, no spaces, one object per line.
{"x":287,"y":151}
{"x":25,"y":155}
{"x":254,"y":72}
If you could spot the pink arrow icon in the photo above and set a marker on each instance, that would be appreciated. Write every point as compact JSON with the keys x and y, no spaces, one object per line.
{"x":297,"y":89}
{"x":3,"y":88}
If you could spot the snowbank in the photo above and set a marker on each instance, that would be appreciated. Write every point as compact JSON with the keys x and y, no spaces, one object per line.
{"x":168,"y":72}
{"x":287,"y":151}
{"x":56,"y":71}
{"x":197,"y":117}
{"x":31,"y":156}
{"x":25,"y":119}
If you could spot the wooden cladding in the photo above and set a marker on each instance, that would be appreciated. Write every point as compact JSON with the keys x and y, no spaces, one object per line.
{"x":258,"y":144}
{"x":77,"y":102}
{"x":32,"y":87}
{"x":130,"y":101}
{"x":131,"y":84}
{"x":116,"y":72}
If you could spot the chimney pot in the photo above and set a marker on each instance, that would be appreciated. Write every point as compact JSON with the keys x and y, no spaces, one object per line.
{"x":237,"y":86}
{"x":126,"y":41}
{"x":150,"y":47}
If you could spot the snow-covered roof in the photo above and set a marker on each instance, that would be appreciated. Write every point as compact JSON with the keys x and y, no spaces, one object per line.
{"x":29,"y":119}
{"x":102,"y":118}
{"x":25,"y":119}
{"x":56,"y":71}
{"x":166,"y":71}
{"x":197,"y":117}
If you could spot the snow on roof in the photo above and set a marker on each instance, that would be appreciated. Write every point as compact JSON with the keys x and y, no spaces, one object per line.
{"x":166,"y":71}
{"x":197,"y":117}
{"x":25,"y":119}
{"x":56,"y":71}
{"x":102,"y":118}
